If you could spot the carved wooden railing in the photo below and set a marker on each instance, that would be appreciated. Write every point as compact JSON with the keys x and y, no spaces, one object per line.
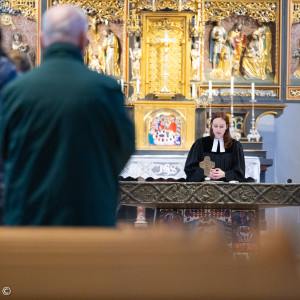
{"x":182,"y":194}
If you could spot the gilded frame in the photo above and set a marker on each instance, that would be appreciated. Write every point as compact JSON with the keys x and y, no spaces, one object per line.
{"x":270,"y":10}
{"x":12,"y":21}
{"x":147,"y":17}
{"x":144,"y":109}
{"x":293,"y":84}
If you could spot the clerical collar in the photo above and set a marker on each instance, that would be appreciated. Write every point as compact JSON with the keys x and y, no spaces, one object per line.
{"x":215,"y":145}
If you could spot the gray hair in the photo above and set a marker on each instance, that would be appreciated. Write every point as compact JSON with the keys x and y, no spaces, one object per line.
{"x":63,"y":23}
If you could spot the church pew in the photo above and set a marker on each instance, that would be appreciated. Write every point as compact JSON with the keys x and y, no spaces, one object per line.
{"x":81,"y":263}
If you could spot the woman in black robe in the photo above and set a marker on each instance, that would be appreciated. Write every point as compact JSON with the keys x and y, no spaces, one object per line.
{"x":225,"y":152}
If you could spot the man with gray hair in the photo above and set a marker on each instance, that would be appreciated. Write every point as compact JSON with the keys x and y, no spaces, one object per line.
{"x":65,"y":135}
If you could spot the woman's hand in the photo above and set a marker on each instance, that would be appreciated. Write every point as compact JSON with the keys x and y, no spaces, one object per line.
{"x":216,"y":173}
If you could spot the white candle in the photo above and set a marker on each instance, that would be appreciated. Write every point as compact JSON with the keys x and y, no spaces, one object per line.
{"x":138,"y":86}
{"x":231,"y":90}
{"x":193,"y":90}
{"x":122,"y":85}
{"x":210,"y":89}
{"x":253,"y":91}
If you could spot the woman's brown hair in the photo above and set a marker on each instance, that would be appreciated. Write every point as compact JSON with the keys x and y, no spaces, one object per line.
{"x":227,"y":137}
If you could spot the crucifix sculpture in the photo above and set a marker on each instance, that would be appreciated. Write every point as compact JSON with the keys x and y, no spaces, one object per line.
{"x":206,"y":164}
{"x":166,"y":40}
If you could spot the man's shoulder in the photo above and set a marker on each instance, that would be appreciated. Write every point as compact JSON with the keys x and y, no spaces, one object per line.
{"x":102,"y":80}
{"x":23,"y":78}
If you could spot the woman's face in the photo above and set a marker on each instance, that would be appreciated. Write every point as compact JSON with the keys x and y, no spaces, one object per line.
{"x":219,"y":127}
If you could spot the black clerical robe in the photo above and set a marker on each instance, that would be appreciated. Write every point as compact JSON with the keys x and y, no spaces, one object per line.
{"x":232,"y":161}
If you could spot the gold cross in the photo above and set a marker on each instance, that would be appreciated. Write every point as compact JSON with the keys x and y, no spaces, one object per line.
{"x":206,"y":165}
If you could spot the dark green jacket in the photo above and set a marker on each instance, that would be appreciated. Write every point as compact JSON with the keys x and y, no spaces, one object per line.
{"x":65,"y":137}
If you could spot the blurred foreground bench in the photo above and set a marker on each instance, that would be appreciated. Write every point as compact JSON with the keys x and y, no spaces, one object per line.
{"x":70,"y":263}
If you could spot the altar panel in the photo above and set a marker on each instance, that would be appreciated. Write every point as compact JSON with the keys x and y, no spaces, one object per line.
{"x":166,"y":48}
{"x":172,"y":167}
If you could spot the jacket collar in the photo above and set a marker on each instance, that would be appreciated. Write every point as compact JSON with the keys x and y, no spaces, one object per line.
{"x":61,"y":50}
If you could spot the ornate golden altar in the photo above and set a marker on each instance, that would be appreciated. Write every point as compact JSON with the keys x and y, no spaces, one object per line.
{"x":164,"y":60}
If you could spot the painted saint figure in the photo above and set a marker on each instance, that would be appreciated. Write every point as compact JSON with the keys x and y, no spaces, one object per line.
{"x":111,"y":49}
{"x":17,"y":43}
{"x":239,"y":40}
{"x":94,"y":59}
{"x":296,"y":54}
{"x":224,"y":67}
{"x":94,"y":64}
{"x":265,"y":40}
{"x":218,"y":37}
{"x":136,"y":55}
{"x":253,"y":63}
{"x":195,"y":56}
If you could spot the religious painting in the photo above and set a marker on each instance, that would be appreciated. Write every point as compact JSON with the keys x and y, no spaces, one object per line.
{"x":238,"y":227}
{"x":209,"y":220}
{"x":293,"y":69}
{"x":242,"y":40}
{"x":164,"y":130}
{"x":244,"y":230}
{"x":170,"y":217}
{"x":164,"y":125}
{"x":19,"y":22}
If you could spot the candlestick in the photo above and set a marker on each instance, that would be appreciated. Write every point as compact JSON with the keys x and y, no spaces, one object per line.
{"x":253,"y":133}
{"x":138,"y":86}
{"x":210,"y":89}
{"x":252,"y":92}
{"x":231,"y":109}
{"x":231,"y":90}
{"x":193,"y":90}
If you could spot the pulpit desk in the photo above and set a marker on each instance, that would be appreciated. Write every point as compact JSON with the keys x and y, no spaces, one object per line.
{"x":234,"y":206}
{"x":197,"y":205}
